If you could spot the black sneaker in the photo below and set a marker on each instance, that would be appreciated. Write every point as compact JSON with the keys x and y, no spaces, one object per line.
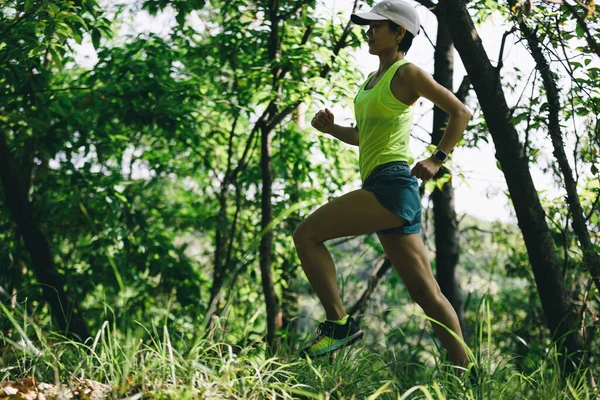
{"x":332,"y":336}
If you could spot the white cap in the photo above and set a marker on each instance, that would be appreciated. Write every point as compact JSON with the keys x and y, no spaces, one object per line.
{"x":398,"y":11}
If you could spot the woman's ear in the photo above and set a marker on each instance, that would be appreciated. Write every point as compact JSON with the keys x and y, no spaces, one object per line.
{"x":400,"y":33}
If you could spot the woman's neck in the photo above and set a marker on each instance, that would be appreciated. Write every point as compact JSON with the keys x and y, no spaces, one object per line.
{"x":386,"y":60}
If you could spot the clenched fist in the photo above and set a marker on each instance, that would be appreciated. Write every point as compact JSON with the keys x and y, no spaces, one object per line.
{"x":323,"y":121}
{"x":427,"y":168}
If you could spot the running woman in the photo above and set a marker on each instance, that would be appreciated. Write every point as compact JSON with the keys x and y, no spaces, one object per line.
{"x":388,"y":202}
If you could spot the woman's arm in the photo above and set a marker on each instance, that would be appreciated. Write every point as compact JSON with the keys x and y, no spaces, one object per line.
{"x":424,"y":85}
{"x":345,"y":134}
{"x":323,"y":121}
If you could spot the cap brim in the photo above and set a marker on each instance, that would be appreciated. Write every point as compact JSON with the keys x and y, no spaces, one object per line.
{"x":365,"y":18}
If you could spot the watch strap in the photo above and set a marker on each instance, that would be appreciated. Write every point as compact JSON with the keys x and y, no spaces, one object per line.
{"x":440,"y":155}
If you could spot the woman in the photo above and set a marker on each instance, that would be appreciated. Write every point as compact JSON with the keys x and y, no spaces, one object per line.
{"x":388,"y":202}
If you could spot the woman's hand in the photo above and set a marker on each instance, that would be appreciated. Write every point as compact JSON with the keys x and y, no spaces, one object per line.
{"x":426,"y":169}
{"x":323,"y":121}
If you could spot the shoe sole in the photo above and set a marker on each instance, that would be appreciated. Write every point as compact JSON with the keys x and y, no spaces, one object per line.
{"x":336,"y":346}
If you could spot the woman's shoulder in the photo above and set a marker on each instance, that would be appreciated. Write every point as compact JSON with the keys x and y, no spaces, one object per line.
{"x":412,"y":74}
{"x":405,"y":82}
{"x":409,"y":69}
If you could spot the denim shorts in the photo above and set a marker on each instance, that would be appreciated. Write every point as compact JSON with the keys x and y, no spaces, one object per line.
{"x":397,"y":191}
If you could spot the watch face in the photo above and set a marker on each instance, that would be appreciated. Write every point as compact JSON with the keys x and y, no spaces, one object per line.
{"x":440,"y":155}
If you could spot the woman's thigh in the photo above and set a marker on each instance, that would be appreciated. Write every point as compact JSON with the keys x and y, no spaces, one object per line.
{"x":354,"y":213}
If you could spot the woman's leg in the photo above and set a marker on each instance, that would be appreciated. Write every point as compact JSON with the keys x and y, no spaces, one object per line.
{"x":354,"y":213}
{"x":409,"y":257}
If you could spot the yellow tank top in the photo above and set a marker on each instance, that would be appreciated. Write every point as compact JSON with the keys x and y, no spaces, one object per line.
{"x":383,"y":124}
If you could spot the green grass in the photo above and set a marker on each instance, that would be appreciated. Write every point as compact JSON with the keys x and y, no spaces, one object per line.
{"x":156,"y":362}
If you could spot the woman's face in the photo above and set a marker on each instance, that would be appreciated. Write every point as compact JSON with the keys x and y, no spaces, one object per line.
{"x":381,"y":39}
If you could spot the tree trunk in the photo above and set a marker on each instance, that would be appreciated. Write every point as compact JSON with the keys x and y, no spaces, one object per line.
{"x":222,"y":254}
{"x":289,"y":296}
{"x":65,"y":313}
{"x":554,"y":296}
{"x":265,"y":125}
{"x":274,"y":321}
{"x":289,"y":273}
{"x":447,"y":245}
{"x":220,"y":243}
{"x":591,"y":258}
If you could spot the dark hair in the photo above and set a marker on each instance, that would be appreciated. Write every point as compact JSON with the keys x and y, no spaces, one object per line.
{"x":407,"y":39}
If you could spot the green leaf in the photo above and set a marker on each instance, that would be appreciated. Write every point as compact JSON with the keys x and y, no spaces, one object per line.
{"x":96,"y":38}
{"x":56,"y":57}
{"x":76,"y":18}
{"x":120,"y":197}
{"x":576,"y":65}
{"x":430,"y":186}
{"x":52,"y":9}
{"x":64,"y":29}
{"x":77,"y":37}
{"x":119,"y":137}
{"x":518,"y":118}
{"x":36,"y":50}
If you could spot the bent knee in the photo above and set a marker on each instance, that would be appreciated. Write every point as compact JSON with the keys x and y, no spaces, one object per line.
{"x":302,"y":236}
{"x":297,"y":235}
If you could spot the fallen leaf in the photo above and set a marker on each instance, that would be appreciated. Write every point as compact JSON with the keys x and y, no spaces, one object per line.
{"x":30,"y":381}
{"x":9,"y":390}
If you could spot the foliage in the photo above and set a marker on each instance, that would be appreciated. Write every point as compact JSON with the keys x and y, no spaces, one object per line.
{"x":158,"y":361}
{"x":127,"y":160}
{"x":134,"y":164}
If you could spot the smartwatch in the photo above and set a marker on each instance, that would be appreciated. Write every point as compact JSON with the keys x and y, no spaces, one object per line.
{"x":440,"y":155}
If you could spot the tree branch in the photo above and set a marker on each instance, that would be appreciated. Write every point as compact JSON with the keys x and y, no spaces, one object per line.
{"x":501,"y":53}
{"x":71,"y":89}
{"x":358,"y":308}
{"x":430,"y":5}
{"x":478,"y":229}
{"x":581,"y":22}
{"x":18,"y":21}
{"x":463,"y":89}
{"x":591,"y":259}
{"x":295,"y":9}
